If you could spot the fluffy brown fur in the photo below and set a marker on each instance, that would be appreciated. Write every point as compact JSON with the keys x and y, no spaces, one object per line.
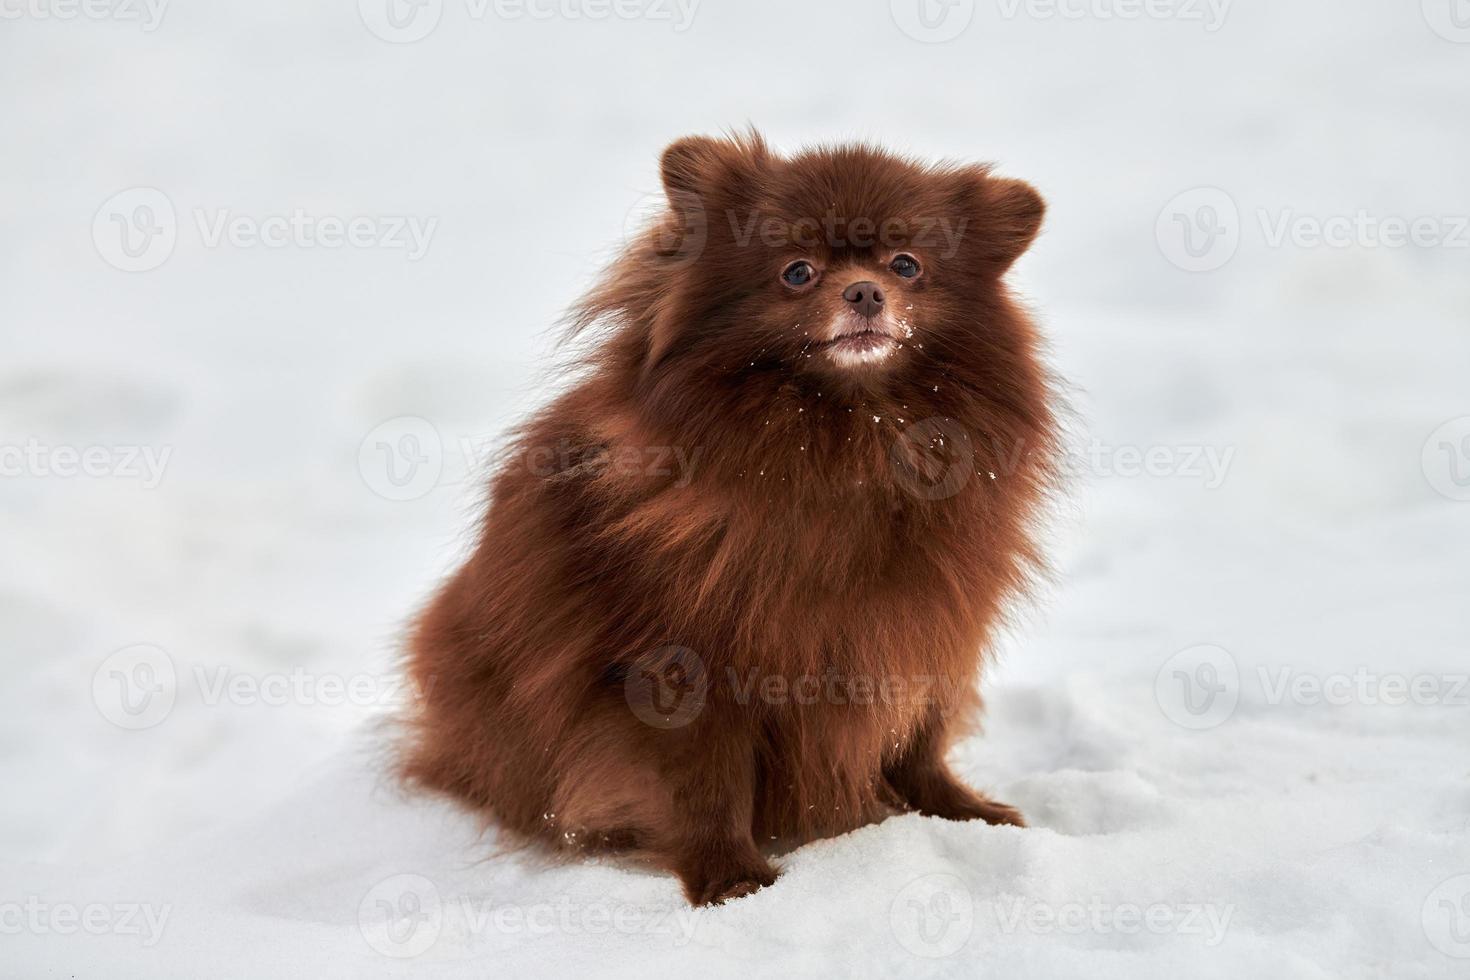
{"x":774,"y":640}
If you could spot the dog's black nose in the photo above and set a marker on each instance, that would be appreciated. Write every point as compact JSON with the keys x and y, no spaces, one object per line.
{"x":865,"y":297}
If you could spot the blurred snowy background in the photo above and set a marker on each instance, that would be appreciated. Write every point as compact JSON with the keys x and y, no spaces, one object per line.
{"x":272,"y":273}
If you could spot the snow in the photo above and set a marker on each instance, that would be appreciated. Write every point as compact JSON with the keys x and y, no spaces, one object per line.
{"x":1297,"y":547}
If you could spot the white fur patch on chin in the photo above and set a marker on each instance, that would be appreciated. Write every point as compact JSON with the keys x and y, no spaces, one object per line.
{"x":851,"y":348}
{"x":870,"y":353}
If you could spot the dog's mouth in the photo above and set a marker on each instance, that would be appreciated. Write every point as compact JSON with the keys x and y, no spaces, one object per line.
{"x":861,"y":341}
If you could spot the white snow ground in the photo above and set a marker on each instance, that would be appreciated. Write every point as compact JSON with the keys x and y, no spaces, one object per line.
{"x":1308,"y":821}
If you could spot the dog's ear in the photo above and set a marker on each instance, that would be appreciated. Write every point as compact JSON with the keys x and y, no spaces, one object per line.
{"x":685,"y":164}
{"x":703,"y":177}
{"x":695,"y":169}
{"x":1004,"y":215}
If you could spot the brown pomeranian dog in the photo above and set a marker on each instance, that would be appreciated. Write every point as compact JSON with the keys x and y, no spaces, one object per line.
{"x":734,"y":588}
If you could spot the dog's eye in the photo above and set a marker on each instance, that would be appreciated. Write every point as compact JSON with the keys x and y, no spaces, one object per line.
{"x":798,"y":274}
{"x":905,"y":265}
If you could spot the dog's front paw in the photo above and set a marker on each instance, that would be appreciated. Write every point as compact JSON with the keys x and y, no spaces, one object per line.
{"x":713,"y":886}
{"x":963,"y":804}
{"x":718,"y":893}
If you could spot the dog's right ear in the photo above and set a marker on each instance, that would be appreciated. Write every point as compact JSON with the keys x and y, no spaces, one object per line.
{"x":697,"y":168}
{"x":702,"y":176}
{"x":684,"y":164}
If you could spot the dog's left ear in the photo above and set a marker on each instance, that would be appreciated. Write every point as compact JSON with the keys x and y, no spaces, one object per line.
{"x":1005,"y":214}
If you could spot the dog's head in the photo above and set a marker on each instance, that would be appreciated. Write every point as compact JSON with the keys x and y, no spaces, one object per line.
{"x":845,"y":265}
